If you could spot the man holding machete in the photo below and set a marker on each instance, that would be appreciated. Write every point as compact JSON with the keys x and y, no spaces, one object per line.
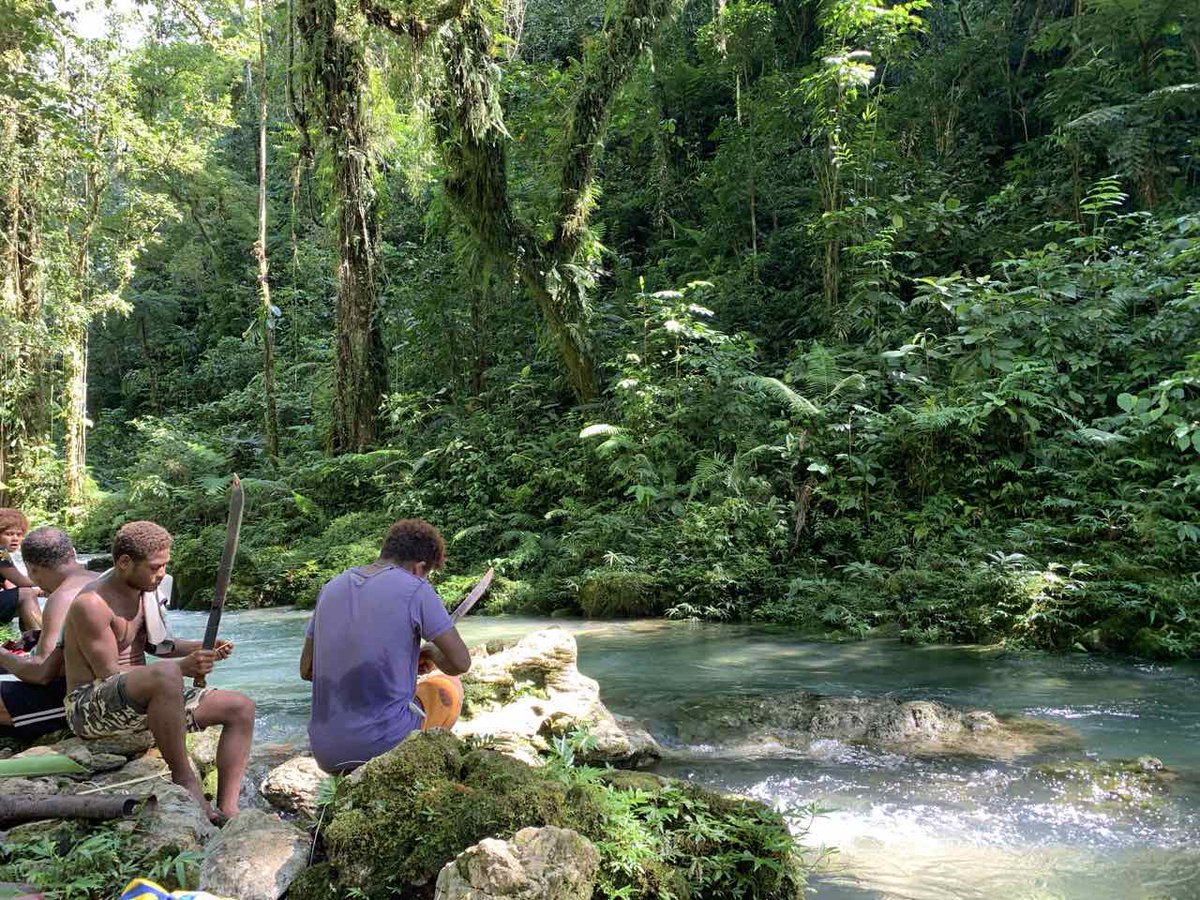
{"x":111,"y":690}
{"x":363,"y":652}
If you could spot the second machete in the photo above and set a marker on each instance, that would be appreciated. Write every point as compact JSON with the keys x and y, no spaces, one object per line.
{"x":472,"y":598}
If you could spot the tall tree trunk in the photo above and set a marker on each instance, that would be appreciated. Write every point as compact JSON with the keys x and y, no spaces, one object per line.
{"x":75,"y":438}
{"x":76,"y":333}
{"x":24,"y":406}
{"x":267,"y":311}
{"x":361,"y":372}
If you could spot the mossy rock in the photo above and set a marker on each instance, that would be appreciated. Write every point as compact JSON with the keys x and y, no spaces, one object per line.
{"x":630,"y":780}
{"x":481,"y":695}
{"x":1150,"y":642}
{"x":406,"y":814}
{"x":1143,"y":782}
{"x":617,"y":594}
{"x":416,"y":807}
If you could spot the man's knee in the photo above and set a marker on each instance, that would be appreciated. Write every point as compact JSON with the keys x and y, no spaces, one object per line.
{"x":226,"y":708}
{"x":241,"y":709}
{"x":162,"y":678}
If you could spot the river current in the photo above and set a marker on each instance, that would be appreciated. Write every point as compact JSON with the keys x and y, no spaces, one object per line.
{"x":899,"y":828}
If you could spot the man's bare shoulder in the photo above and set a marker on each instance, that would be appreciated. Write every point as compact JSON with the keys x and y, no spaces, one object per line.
{"x":72,"y":587}
{"x":90,"y":607}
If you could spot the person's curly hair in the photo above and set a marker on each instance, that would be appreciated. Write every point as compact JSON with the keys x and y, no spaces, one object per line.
{"x":414,"y":540}
{"x":138,"y":540}
{"x":47,"y":547}
{"x":10,"y":517}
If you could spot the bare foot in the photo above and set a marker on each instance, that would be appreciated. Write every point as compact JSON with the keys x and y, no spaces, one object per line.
{"x":193,"y":787}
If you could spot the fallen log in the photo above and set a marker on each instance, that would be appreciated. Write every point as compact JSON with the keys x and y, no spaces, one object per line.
{"x":15,"y":810}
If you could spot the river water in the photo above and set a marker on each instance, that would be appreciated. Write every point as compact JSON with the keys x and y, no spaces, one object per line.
{"x":902,"y":828}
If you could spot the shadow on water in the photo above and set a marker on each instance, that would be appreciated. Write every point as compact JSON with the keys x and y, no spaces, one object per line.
{"x":903,"y":828}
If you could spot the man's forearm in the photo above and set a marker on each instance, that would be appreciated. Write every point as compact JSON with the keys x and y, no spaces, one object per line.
{"x":13,"y":575}
{"x":181,"y":649}
{"x":435,"y":655}
{"x":31,"y":669}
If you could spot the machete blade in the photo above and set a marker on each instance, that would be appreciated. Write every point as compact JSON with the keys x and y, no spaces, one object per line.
{"x":472,"y":598}
{"x":233,"y":529}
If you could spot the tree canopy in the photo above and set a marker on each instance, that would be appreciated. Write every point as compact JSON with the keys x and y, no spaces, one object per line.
{"x":865,"y":318}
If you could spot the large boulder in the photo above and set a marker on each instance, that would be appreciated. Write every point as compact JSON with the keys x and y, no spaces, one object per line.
{"x":255,"y":857}
{"x":406,"y":813}
{"x":523,"y":695}
{"x":398,"y":821}
{"x":537,"y":864}
{"x":294,"y":786}
{"x":921,"y":728}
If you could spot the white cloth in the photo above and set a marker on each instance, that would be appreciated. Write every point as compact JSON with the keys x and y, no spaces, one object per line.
{"x":15,"y":559}
{"x":154,"y":605}
{"x":158,"y":632}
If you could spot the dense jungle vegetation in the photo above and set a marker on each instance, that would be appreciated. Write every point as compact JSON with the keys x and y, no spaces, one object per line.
{"x":851,"y":317}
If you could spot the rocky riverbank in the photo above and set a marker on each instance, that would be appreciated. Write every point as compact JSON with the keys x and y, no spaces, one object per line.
{"x":537,"y":794}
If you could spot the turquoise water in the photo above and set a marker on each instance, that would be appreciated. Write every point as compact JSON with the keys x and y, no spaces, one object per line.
{"x":902,"y":828}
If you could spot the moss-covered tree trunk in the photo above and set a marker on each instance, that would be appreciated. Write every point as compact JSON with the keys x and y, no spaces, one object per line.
{"x":340,"y":74}
{"x":473,"y":139}
{"x":75,"y":412}
{"x":24,"y":400}
{"x":266,"y":309}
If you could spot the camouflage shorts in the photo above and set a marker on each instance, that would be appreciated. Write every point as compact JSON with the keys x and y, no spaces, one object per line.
{"x":102,"y":707}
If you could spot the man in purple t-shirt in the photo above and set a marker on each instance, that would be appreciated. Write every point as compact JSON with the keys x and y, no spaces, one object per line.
{"x":363,"y":648}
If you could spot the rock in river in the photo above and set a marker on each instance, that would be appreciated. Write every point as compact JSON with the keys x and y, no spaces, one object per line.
{"x":524,"y":694}
{"x":294,"y":786}
{"x":922,"y":728}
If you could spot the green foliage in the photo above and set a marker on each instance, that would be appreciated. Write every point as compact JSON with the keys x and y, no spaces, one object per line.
{"x":931,"y":372}
{"x":662,"y":838}
{"x":70,"y":863}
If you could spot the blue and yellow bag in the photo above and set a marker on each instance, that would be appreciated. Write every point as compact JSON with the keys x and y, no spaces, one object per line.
{"x":141,"y":889}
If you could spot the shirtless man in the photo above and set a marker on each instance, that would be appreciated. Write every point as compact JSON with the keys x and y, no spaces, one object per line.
{"x":33,"y":706}
{"x":110,"y":689}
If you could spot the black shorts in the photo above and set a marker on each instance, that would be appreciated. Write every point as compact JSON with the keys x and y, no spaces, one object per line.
{"x":35,"y":709}
{"x":10,"y":598}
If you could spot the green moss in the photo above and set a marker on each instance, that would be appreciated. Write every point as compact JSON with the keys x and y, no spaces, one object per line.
{"x":414,"y":809}
{"x":314,"y":883}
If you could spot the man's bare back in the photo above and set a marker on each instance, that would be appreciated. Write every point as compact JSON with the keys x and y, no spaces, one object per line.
{"x":58,"y":603}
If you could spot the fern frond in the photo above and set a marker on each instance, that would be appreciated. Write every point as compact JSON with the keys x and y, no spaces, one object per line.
{"x":781,"y":392}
